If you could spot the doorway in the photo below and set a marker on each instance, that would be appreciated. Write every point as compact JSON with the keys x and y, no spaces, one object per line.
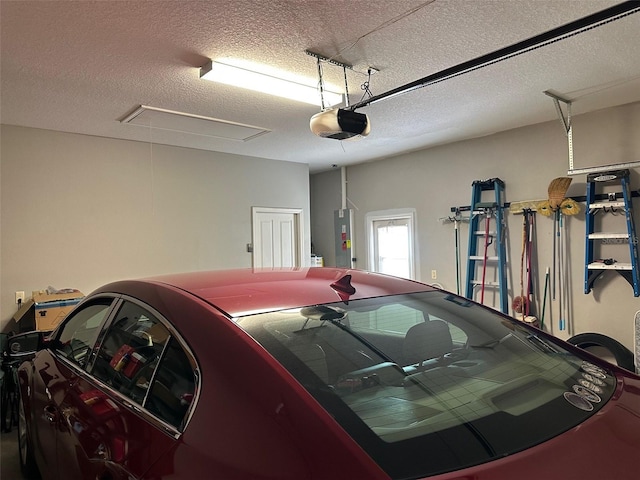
{"x":277,"y":237}
{"x":391,"y":242}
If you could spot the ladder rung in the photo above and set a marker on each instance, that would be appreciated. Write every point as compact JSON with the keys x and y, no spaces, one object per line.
{"x":486,"y":205}
{"x":486,"y":284}
{"x":593,"y":206}
{"x":614,"y":266}
{"x":478,"y":257}
{"x":481,"y":212}
{"x":482,"y":233}
{"x":596,"y":236}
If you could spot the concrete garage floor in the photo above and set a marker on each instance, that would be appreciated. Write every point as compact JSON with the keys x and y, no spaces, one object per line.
{"x":9,"y":460}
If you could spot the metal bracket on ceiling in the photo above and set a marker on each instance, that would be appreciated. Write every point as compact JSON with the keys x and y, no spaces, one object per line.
{"x":566,"y":121}
{"x":369,"y":71}
{"x":344,"y":66}
{"x":568,"y":129}
{"x":328,"y":60}
{"x":321,"y":58}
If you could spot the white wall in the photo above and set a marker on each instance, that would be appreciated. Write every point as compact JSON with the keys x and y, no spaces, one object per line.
{"x":526,"y":159}
{"x":79,"y":211}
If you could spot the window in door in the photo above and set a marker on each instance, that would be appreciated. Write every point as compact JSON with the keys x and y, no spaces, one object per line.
{"x":79,"y":333}
{"x":391,"y":243}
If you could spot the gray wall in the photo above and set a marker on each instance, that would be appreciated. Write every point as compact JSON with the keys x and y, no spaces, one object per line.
{"x":526,"y":159}
{"x":79,"y":211}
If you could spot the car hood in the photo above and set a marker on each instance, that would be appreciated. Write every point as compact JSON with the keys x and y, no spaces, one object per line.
{"x":606,"y":446}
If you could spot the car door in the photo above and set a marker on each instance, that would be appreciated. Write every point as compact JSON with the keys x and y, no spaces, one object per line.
{"x":48,"y":389}
{"x":55,"y":372}
{"x":115,"y":426}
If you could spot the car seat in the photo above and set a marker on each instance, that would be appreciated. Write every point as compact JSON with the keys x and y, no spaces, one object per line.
{"x":425,"y":341}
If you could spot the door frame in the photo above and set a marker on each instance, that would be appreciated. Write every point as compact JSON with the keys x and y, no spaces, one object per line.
{"x":394,"y":214}
{"x":298,"y":229}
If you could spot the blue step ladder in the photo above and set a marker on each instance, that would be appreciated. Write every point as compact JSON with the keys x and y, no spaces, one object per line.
{"x":611,"y":203}
{"x":482,"y":235}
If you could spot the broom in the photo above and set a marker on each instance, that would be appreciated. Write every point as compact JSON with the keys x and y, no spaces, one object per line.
{"x":557,"y":191}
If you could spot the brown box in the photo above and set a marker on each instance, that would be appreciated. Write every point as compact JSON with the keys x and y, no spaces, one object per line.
{"x":44,"y":311}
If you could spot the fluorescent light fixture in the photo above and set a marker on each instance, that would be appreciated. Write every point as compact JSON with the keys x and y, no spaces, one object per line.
{"x":270,"y":82}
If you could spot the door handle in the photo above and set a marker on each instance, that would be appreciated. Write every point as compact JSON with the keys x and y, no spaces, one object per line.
{"x":50,"y":413}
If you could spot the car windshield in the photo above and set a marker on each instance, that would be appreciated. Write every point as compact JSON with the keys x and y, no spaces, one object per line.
{"x":430,"y":382}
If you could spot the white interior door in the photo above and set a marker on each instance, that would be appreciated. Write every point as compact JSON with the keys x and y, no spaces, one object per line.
{"x":277,"y":237}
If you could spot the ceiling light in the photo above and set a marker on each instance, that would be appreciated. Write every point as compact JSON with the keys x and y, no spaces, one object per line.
{"x":252,"y":79}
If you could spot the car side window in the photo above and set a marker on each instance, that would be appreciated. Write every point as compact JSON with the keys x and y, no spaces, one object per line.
{"x":79,"y":333}
{"x":173,"y":386}
{"x":130,"y":351}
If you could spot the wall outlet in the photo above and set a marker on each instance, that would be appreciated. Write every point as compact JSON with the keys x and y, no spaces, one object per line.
{"x":19,"y":297}
{"x":434,"y":274}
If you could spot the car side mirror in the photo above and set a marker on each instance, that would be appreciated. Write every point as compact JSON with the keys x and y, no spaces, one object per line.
{"x":24,"y":345}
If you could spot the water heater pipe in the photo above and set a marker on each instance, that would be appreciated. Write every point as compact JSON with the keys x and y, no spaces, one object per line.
{"x":343,"y":175}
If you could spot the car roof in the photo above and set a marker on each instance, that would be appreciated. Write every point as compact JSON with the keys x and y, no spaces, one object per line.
{"x":245,"y":291}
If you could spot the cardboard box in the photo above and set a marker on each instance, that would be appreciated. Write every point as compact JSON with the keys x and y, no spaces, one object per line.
{"x":44,"y":311}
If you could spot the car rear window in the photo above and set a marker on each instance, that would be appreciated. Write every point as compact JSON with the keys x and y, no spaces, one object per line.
{"x":430,"y":382}
{"x":173,"y":387}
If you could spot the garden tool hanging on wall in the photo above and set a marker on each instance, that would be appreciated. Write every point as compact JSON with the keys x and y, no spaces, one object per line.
{"x":456,"y":220}
{"x":522,"y":305}
{"x":559,"y":206}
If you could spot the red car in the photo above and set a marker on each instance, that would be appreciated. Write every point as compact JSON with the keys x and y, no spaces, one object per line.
{"x":316,"y":373}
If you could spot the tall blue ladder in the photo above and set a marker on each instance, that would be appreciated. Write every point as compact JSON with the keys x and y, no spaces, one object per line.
{"x":483,"y":235}
{"x":594,"y":267}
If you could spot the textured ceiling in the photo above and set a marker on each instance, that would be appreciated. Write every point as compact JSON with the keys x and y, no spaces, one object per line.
{"x":83,"y":66}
